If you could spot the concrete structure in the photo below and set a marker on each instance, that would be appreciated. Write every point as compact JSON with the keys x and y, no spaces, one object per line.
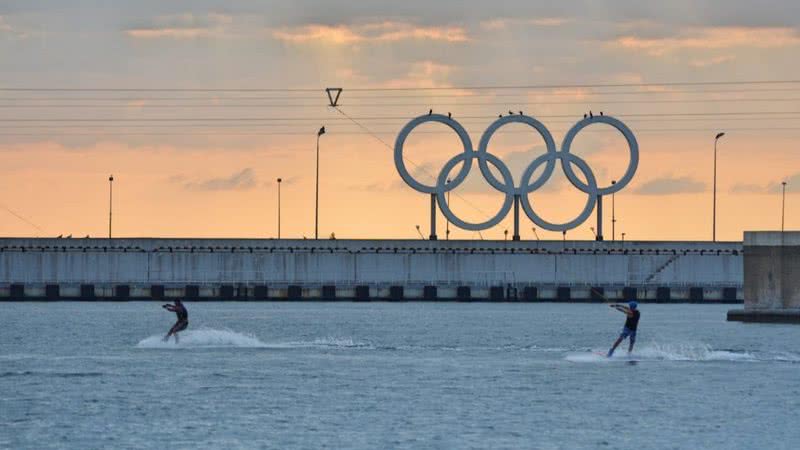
{"x":771,"y":278}
{"x":258,"y":269}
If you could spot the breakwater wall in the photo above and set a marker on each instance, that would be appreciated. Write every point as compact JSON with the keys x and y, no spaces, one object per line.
{"x":269,"y":269}
{"x":771,"y":278}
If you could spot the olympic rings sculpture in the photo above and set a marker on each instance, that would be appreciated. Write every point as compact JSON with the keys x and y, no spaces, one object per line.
{"x":526,"y":185}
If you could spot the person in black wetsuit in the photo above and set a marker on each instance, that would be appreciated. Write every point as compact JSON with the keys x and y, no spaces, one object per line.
{"x":183,"y":319}
{"x":631,"y":323}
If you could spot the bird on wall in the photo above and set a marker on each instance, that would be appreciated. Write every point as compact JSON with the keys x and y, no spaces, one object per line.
{"x":449,"y":116}
{"x":585,"y":116}
{"x":430,"y":111}
{"x":510,"y":113}
{"x":590,"y":114}
{"x":601,"y":113}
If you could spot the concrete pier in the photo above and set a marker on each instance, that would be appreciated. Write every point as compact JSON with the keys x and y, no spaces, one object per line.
{"x":771,"y":278}
{"x":390,"y":270}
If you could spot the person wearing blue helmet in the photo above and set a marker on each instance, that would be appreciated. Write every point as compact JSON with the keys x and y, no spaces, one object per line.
{"x":631,"y":323}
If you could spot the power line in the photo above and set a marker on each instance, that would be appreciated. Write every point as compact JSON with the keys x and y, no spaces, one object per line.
{"x":401,"y":96}
{"x":385,"y":105}
{"x":67,"y":89}
{"x":373,"y":118}
{"x":390,"y":89}
{"x":405,"y":158}
{"x":573,"y":86}
{"x":374,"y":133}
{"x":395,"y":122}
{"x":20,"y":217}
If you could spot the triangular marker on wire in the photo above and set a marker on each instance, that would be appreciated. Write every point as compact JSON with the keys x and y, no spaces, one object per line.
{"x":334,"y":101}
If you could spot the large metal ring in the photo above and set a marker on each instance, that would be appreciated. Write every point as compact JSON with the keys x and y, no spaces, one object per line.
{"x":566,"y":159}
{"x":401,"y":139}
{"x":445,"y":207}
{"x":633,"y":148}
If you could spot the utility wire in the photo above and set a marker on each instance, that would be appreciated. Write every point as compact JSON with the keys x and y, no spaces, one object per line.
{"x":395,"y":122}
{"x":572,"y":86}
{"x":386,"y":89}
{"x":20,"y":217}
{"x":416,"y":166}
{"x":384,"y":105}
{"x":375,"y":133}
{"x":373,"y":118}
{"x":399,"y":96}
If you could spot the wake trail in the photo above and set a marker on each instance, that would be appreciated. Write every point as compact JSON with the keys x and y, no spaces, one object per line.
{"x":204,"y":338}
{"x":693,"y":352}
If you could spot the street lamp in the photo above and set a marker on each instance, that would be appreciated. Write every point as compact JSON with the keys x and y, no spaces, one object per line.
{"x":316,"y":208}
{"x":623,"y":238}
{"x":714,"y":213}
{"x":279,"y":208}
{"x":594,"y":233}
{"x":505,"y":232}
{"x":613,"y":215}
{"x":783,"y":204}
{"x":110,"y":203}
{"x":534,"y":233}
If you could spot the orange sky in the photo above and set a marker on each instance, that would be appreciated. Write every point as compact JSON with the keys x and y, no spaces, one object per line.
{"x":210,"y":174}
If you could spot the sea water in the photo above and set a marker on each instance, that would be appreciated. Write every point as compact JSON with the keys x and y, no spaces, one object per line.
{"x":405,"y":375}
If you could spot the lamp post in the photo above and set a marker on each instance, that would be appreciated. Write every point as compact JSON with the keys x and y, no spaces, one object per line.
{"x":783,"y":204}
{"x":279,"y":208}
{"x":714,"y":213}
{"x":316,"y":203}
{"x":613,"y":215}
{"x":110,"y":203}
{"x":535,"y":233}
{"x":623,"y":238}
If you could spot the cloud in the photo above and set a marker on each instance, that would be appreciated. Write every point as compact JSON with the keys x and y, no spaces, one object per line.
{"x":239,"y":181}
{"x":747,"y":188}
{"x":12,"y":32}
{"x":669,"y":186}
{"x":423,"y":74}
{"x":710,"y":38}
{"x":716,"y":60}
{"x":375,"y":32}
{"x":504,"y":23}
{"x":183,"y":26}
{"x":773,"y":187}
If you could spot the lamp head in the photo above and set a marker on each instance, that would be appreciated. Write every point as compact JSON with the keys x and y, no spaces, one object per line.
{"x":719,"y":135}
{"x":279,"y":180}
{"x":321,"y":131}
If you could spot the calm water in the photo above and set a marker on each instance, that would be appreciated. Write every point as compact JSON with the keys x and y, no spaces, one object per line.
{"x":377,"y":375}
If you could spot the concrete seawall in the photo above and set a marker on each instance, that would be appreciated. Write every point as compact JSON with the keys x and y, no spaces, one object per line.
{"x":771,"y":278}
{"x":258,"y":269}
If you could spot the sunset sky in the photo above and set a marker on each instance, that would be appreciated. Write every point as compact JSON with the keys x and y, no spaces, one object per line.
{"x":197,"y":108}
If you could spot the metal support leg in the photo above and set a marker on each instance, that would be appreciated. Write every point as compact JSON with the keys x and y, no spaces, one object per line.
{"x":433,"y":217}
{"x":516,"y":218}
{"x":599,"y":218}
